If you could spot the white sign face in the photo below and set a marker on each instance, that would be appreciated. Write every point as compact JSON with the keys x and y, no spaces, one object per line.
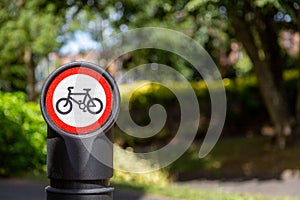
{"x":79,"y":100}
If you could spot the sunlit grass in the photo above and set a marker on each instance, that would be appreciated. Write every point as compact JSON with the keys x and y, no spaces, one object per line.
{"x":185,"y":193}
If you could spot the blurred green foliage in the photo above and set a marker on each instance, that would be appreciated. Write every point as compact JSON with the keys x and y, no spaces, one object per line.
{"x":23,"y":130}
{"x":243,"y":66}
{"x":22,"y":135}
{"x":28,"y":33}
{"x":244,"y":103}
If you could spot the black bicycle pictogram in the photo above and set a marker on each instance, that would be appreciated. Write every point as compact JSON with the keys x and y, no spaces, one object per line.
{"x":93,"y":105}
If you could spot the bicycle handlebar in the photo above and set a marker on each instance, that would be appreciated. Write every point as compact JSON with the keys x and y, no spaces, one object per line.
{"x":70,"y":88}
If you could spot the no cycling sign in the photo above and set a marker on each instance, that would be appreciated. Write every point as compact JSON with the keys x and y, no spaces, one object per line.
{"x":80,"y":98}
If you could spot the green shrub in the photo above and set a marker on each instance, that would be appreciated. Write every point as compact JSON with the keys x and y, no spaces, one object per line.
{"x":22,"y":135}
{"x":244,"y":103}
{"x":23,"y":130}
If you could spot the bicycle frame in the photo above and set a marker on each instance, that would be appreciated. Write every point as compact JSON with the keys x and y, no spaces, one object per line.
{"x":85,"y":94}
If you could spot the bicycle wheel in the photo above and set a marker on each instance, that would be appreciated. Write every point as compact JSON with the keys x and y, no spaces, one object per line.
{"x":64,"y":106}
{"x":94,"y":106}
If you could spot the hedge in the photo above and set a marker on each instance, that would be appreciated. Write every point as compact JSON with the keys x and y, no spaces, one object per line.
{"x":246,"y":111}
{"x":22,"y":135}
{"x":23,"y":130}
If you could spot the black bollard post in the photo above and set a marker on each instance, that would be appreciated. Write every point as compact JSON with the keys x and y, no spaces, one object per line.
{"x":80,"y":103}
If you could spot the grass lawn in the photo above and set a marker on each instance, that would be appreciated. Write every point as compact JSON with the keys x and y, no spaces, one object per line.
{"x":185,"y":193}
{"x":230,"y":158}
{"x":238,"y":158}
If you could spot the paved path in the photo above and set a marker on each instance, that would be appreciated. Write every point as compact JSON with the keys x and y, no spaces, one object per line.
{"x":15,"y":189}
{"x":270,"y":187}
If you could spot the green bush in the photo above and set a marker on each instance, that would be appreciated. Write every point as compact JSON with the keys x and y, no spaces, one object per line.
{"x":23,"y":130}
{"x":22,"y":135}
{"x":244,"y":103}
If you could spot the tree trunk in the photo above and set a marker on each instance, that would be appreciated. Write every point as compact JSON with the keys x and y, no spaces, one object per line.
{"x":29,"y":62}
{"x":273,"y":98}
{"x":298,"y":99}
{"x":271,"y":49}
{"x":298,"y":92}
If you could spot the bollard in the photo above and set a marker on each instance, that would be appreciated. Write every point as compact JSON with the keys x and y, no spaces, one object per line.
{"x":79,"y":102}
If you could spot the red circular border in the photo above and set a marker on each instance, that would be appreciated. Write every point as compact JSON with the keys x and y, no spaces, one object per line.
{"x":79,"y":130}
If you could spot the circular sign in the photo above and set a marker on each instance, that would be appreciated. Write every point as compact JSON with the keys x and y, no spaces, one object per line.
{"x":80,"y":98}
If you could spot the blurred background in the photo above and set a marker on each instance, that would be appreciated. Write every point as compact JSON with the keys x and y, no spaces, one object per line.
{"x":254,"y":43}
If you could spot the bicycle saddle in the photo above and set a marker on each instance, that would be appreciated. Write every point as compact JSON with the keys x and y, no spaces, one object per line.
{"x":87,"y":89}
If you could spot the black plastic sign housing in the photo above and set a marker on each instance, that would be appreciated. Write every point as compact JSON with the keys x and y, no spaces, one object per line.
{"x":80,"y":103}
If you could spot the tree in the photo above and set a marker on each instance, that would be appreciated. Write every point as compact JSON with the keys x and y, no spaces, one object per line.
{"x":259,"y":35}
{"x":28,"y":32}
{"x":254,"y":23}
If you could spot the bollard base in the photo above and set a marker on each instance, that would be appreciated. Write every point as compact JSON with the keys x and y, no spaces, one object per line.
{"x":105,"y":193}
